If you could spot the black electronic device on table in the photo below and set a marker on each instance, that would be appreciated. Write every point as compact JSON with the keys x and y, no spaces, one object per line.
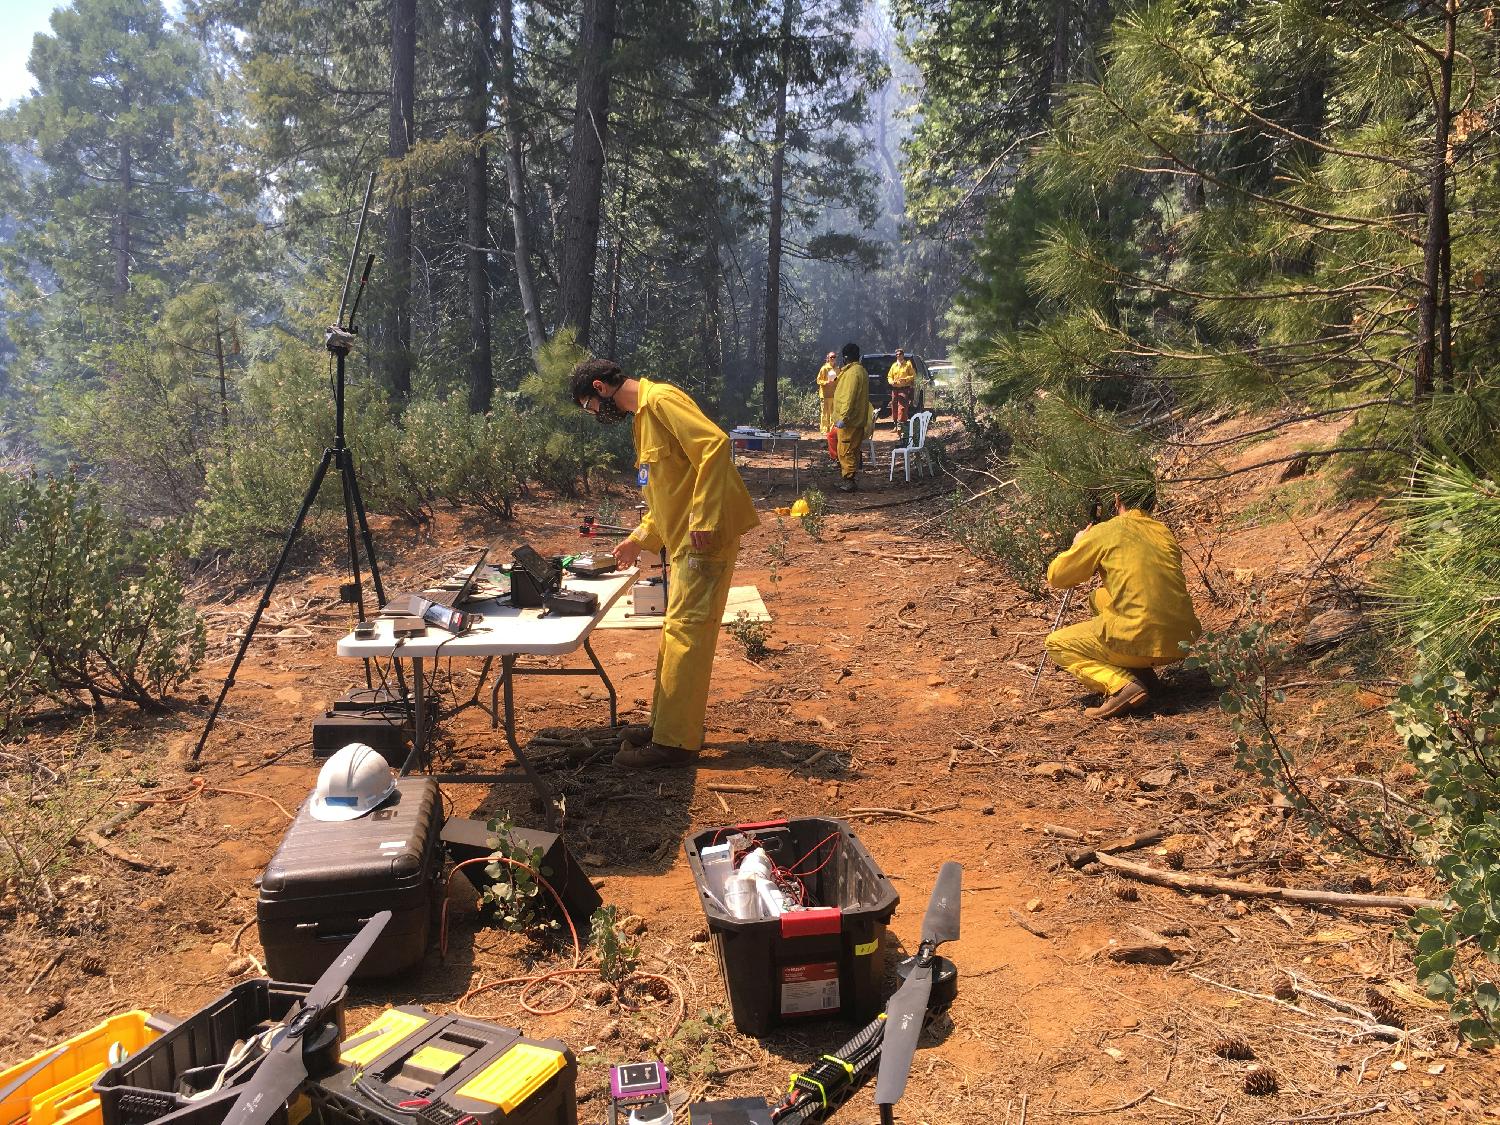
{"x":532,"y":578}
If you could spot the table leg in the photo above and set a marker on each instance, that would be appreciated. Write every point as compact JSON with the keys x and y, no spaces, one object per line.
{"x":419,"y":731}
{"x":507,"y":680}
{"x":614,"y":710}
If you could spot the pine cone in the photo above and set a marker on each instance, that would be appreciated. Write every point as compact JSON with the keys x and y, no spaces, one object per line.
{"x":1292,"y":861}
{"x":1233,"y":1047}
{"x":1125,"y":891}
{"x":1176,"y":857}
{"x":1361,"y":884}
{"x":1261,"y":1080}
{"x":1283,"y":988}
{"x":1383,"y":1009}
{"x":91,"y":966}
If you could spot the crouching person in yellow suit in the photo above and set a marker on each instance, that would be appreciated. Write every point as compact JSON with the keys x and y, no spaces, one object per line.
{"x":697,"y":507}
{"x":1142,"y":610}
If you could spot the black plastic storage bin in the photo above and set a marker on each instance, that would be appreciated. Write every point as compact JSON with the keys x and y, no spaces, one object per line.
{"x":821,"y":962}
{"x":144,"y":1086}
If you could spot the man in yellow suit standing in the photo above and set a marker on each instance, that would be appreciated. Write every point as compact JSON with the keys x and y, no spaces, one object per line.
{"x":1142,"y":609}
{"x":902,"y":377}
{"x":828,"y":376}
{"x":697,"y":507}
{"x":852,"y":416}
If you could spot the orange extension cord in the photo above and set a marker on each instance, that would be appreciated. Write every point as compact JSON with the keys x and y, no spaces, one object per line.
{"x":534,"y":980}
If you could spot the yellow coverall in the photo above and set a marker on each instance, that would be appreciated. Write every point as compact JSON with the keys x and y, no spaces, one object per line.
{"x":1141,"y":612}
{"x":685,"y":470}
{"x":851,"y":406}
{"x":828,"y":375}
{"x":901,"y":377}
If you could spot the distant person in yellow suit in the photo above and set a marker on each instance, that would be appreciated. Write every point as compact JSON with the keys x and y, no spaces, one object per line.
{"x":828,"y":375}
{"x":697,"y":508}
{"x":1142,"y":610}
{"x":902,"y":378}
{"x":852,"y":416}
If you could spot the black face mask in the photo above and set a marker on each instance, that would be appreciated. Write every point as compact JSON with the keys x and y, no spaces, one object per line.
{"x":608,"y":413}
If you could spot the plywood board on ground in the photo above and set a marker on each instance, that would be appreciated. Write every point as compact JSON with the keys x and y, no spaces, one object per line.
{"x":742,"y":599}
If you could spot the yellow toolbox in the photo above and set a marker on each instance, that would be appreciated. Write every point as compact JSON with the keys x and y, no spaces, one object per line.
{"x":61,"y":1092}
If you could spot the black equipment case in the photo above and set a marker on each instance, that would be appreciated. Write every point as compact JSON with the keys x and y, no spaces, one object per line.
{"x":329,"y":877}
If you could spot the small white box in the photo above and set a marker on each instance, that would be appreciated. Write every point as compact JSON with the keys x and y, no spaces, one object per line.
{"x":648,"y":598}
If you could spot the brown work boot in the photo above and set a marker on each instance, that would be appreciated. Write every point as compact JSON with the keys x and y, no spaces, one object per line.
{"x":1129,"y":697}
{"x":653,"y":755}
{"x":635,"y":734}
{"x":847,"y":485}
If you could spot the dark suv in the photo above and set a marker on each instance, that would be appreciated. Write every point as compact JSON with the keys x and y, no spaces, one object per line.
{"x":876,"y":365}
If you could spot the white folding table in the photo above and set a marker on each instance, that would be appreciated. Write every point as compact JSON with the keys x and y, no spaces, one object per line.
{"x":509,"y":633}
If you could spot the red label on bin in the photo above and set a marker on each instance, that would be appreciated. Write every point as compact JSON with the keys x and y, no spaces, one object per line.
{"x":811,"y":923}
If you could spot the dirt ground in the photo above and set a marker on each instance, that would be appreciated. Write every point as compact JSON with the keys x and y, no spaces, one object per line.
{"x":903,"y":665}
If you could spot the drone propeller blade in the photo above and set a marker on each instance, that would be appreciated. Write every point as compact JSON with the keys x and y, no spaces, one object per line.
{"x":940,"y":923}
{"x":337,"y":975}
{"x":904,"y":1016}
{"x":283,"y":1070}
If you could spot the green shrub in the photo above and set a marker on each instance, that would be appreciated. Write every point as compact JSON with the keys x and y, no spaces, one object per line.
{"x":87,"y":611}
{"x":281,"y":424}
{"x":1241,"y":663}
{"x":1064,"y":458}
{"x":800,"y":403}
{"x":570,"y":447}
{"x":1443,"y":590}
{"x":1450,"y":725}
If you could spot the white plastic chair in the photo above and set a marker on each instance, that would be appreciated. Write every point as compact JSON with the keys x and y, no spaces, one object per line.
{"x":916,"y":443}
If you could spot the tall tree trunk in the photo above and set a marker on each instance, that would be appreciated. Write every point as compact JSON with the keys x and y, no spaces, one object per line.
{"x":580,"y":233}
{"x":710,"y":327}
{"x":122,"y":225}
{"x":515,"y":178}
{"x":616,"y":253}
{"x":770,"y":400}
{"x":403,"y":127}
{"x":1062,"y":30}
{"x":1434,"y":344}
{"x":476,"y":118}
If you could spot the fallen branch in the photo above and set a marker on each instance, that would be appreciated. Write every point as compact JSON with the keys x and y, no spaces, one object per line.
{"x":731,"y":787}
{"x":891,"y":812}
{"x":1020,"y":919}
{"x":1378,"y":1107}
{"x":1374,"y":1030}
{"x":1125,"y":844}
{"x":134,"y":862}
{"x":1131,"y":1104}
{"x":1207,"y":884}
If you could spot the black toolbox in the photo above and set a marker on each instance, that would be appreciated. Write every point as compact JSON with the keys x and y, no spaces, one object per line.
{"x":328,"y":878}
{"x":446,"y":1069}
{"x":385,"y":727}
{"x":470,"y":839}
{"x":145,"y":1085}
{"x":825,"y":961}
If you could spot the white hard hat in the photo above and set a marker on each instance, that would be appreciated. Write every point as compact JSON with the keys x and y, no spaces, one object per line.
{"x":351,"y":783}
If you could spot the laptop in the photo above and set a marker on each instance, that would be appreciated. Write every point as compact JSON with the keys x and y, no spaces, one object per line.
{"x":402,"y":605}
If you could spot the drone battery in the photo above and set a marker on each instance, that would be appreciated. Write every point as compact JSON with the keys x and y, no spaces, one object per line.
{"x":386,"y":728}
{"x":329,"y":877}
{"x":732,"y":1111}
{"x":145,"y":1086}
{"x":460,"y":1068}
{"x":470,"y":839}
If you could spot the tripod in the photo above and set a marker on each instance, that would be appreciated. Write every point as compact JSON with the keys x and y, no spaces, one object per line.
{"x":339,"y":339}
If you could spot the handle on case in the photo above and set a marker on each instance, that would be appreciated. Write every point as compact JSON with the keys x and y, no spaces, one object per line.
{"x":319,"y":935}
